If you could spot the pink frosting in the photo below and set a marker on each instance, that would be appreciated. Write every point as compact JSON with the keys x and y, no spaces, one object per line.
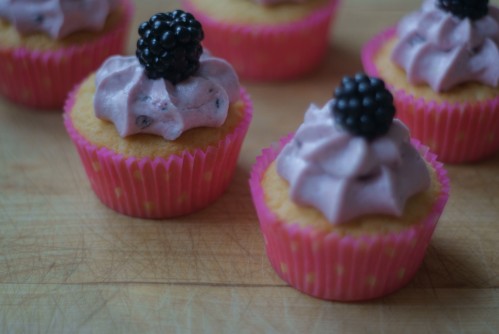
{"x":57,"y":18}
{"x":443,"y":51}
{"x":137,"y":104}
{"x":275,"y":2}
{"x":345,"y":176}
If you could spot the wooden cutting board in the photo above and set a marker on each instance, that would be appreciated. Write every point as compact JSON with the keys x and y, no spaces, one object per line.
{"x":68,"y":264}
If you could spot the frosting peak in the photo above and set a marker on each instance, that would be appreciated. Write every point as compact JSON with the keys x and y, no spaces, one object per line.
{"x":137,"y":104}
{"x":57,"y":18}
{"x":442,"y":50}
{"x":346,"y":176}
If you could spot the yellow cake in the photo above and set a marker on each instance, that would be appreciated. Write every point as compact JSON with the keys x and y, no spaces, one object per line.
{"x":247,"y":12}
{"x":348,"y":203}
{"x":46,"y":66}
{"x":102,"y":133}
{"x":445,"y":82}
{"x":266,"y":42}
{"x":395,"y":76}
{"x":11,"y":38}
{"x":160,"y":139}
{"x":276,"y":191}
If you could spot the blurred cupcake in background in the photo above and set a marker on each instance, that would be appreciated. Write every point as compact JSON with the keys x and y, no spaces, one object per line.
{"x":46,"y":47}
{"x":441,"y":63}
{"x":267,"y":39}
{"x":159,"y":133}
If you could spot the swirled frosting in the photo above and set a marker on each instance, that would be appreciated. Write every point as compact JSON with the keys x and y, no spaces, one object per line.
{"x":275,"y":2}
{"x":345,"y":176}
{"x":136,"y":104}
{"x":57,"y":18}
{"x":443,"y":51}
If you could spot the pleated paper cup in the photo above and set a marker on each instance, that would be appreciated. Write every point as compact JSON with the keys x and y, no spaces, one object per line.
{"x":43,"y":79}
{"x":455,"y":132}
{"x":161,"y":187}
{"x":330,"y":266}
{"x":269,"y":52}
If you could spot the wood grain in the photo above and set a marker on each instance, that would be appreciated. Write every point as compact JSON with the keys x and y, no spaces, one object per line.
{"x":68,"y":264}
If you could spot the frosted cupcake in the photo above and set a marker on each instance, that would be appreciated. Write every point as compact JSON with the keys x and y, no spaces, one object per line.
{"x":159,"y":133}
{"x":267,"y":39}
{"x":46,"y":47}
{"x":348,"y":204}
{"x":441,"y":64}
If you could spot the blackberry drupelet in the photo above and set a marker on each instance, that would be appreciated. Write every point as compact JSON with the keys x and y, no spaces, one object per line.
{"x":472,"y":9}
{"x":363,"y":106}
{"x":169,"y":46}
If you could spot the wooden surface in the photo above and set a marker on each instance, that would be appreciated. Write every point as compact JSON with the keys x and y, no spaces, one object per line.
{"x":68,"y":264}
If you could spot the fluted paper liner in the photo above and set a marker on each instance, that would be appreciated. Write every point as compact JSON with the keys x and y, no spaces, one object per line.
{"x":43,"y":79}
{"x":160,"y":187}
{"x":456,"y":132}
{"x":269,"y":52}
{"x":344,"y":268}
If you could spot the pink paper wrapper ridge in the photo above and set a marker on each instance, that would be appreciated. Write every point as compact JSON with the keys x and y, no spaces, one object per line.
{"x":269,"y":52}
{"x":157,"y":187}
{"x":456,"y":132}
{"x":328,"y":266}
{"x":42,"y":79}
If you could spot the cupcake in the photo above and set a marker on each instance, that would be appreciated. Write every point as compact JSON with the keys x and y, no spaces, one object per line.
{"x":347,"y":205}
{"x":441,"y":64}
{"x":46,"y":47}
{"x":267,"y":39}
{"x":159,"y":133}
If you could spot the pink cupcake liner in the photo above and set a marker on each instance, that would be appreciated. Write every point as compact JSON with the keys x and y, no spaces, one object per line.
{"x":42,"y":79}
{"x":269,"y":52}
{"x":456,"y":132}
{"x":157,"y":187}
{"x":343,"y":268}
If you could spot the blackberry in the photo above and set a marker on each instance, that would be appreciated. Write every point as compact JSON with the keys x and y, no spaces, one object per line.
{"x":472,"y":9}
{"x":363,"y":106}
{"x":169,"y":46}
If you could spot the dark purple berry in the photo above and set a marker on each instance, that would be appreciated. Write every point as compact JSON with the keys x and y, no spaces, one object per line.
{"x":471,"y":9}
{"x":363,"y":106}
{"x":169,"y":46}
